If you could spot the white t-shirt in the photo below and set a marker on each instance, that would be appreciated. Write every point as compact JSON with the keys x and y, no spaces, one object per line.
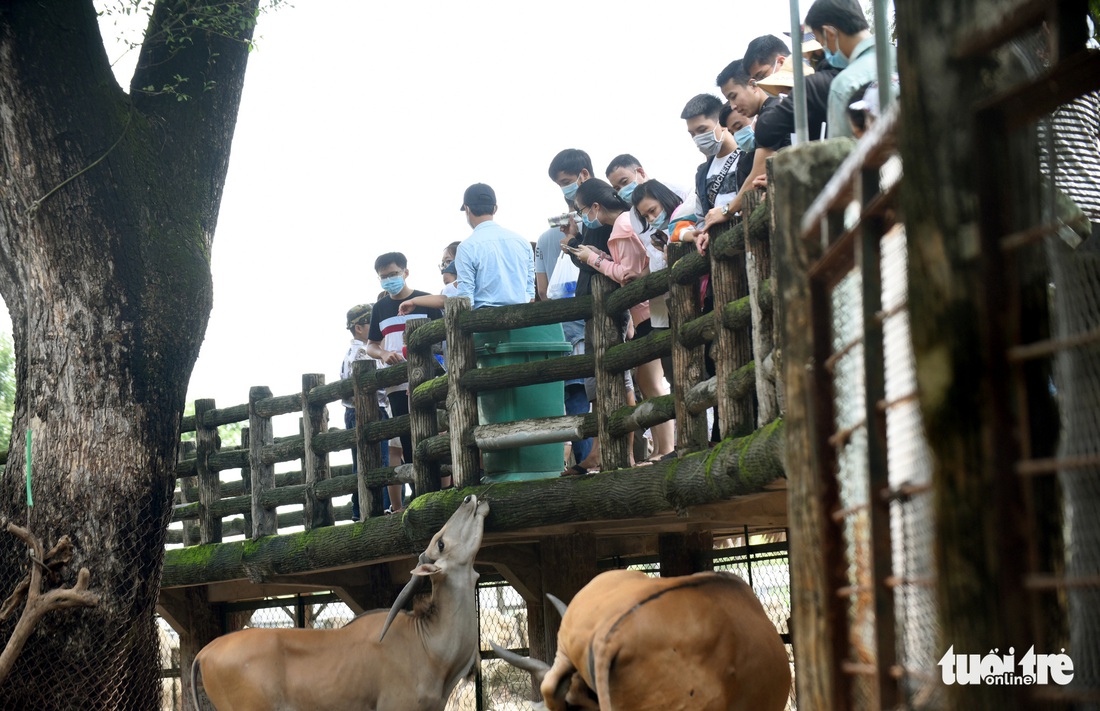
{"x":357,"y":351}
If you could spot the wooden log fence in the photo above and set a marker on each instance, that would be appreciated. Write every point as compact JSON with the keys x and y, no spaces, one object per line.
{"x":443,"y":419}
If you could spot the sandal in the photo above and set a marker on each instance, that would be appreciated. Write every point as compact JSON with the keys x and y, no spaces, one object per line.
{"x":575,"y":470}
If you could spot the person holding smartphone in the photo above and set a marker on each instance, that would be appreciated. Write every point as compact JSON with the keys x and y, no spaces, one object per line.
{"x":625,"y":260}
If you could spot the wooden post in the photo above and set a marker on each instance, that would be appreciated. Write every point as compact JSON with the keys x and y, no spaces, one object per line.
{"x":422,"y":420}
{"x":367,"y":452}
{"x":568,"y":564}
{"x":539,"y":645}
{"x":606,"y":330}
{"x":264,"y":521}
{"x":187,"y":484}
{"x":758,"y":268}
{"x":816,"y":558}
{"x":198,"y":623}
{"x":777,"y":329}
{"x":731,"y":349}
{"x":246,"y":478}
{"x":685,"y":553}
{"x":687,"y":363}
{"x":206,"y":444}
{"x":316,"y":511}
{"x":461,"y":402}
{"x":874,"y":378}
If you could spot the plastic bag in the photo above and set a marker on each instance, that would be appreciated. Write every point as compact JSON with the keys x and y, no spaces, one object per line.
{"x":563,"y":282}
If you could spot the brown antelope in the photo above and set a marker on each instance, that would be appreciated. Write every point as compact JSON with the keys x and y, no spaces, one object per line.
{"x":629,"y":642}
{"x":377,"y":662}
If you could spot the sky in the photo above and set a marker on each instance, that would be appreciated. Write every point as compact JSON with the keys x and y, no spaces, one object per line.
{"x":362,"y":123}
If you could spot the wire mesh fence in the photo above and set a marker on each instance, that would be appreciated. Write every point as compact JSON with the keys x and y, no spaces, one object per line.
{"x":764,"y":563}
{"x":103,"y":656}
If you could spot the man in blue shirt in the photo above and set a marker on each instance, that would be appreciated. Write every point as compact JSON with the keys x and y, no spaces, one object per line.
{"x":842,"y":30}
{"x":496,"y":267}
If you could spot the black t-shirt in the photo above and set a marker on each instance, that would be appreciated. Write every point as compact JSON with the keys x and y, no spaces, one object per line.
{"x":388,"y":327}
{"x":774,"y":132}
{"x":597,"y":239}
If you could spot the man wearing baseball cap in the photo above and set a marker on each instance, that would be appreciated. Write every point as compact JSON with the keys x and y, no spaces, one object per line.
{"x":495,"y":266}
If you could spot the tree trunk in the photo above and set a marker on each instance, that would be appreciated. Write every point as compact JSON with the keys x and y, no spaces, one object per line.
{"x":108,"y":209}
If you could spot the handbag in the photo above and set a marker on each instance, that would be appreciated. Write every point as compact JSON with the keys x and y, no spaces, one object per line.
{"x":563,"y":282}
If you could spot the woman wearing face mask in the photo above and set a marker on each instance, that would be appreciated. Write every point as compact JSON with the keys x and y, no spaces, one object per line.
{"x":626,"y":259}
{"x":670,"y":219}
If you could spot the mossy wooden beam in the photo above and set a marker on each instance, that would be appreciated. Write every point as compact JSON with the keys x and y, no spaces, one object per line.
{"x":688,"y":269}
{"x":624,"y":356}
{"x":698,"y":331}
{"x":538,"y":314}
{"x":637,"y":291}
{"x":732,"y":468}
{"x":291,"y":491}
{"x":427,"y":335}
{"x":433,"y":391}
{"x":498,"y":377}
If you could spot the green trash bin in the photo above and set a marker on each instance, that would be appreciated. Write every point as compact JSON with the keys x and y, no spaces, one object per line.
{"x":522,"y":345}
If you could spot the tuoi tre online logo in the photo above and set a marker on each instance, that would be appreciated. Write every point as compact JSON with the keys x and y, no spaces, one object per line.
{"x":1004,"y":670}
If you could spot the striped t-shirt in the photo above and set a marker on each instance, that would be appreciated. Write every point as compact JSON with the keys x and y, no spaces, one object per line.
{"x":387,"y":327}
{"x":1077,"y":152}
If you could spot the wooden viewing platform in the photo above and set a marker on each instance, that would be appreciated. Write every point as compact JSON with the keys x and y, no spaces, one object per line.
{"x":717,"y":491}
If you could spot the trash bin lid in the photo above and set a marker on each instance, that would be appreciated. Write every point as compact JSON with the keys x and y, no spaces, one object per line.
{"x":524,"y":347}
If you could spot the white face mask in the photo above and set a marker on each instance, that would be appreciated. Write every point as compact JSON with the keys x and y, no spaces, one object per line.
{"x":708,"y":143}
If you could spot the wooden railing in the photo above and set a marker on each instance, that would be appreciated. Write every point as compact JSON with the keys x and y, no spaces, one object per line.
{"x":739,"y":266}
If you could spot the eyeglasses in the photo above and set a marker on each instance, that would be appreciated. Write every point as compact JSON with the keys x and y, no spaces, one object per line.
{"x":445,"y":263}
{"x":389,"y":276}
{"x":764,"y":73}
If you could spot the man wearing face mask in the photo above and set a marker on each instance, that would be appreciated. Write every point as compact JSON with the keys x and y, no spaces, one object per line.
{"x":716,"y":178}
{"x":569,"y":169}
{"x":625,"y":173}
{"x":766,"y":59}
{"x":386,"y":335}
{"x":842,"y":30}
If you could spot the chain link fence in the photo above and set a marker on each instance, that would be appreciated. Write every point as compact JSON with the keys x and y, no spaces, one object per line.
{"x":98,"y":657}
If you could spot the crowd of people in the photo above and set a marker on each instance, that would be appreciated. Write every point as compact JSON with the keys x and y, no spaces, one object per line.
{"x":620,"y":225}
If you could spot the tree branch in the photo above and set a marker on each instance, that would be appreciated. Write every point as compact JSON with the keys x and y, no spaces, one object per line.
{"x":38,"y":604}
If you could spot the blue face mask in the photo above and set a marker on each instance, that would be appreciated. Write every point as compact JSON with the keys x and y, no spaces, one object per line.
{"x":627,"y":190}
{"x":837,"y":58}
{"x":746,"y":139}
{"x":590,"y":224}
{"x":661,"y":223}
{"x":570,"y":191}
{"x":393,"y":285}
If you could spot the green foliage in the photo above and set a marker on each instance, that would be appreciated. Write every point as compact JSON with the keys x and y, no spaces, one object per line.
{"x":176,"y":26}
{"x":230,"y":435}
{"x":7,"y":389}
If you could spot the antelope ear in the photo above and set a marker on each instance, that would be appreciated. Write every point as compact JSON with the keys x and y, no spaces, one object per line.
{"x":425,"y":569}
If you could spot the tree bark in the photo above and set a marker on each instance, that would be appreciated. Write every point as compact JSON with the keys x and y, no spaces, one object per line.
{"x":109,"y":204}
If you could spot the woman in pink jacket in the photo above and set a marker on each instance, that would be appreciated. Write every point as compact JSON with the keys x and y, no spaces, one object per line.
{"x":625,"y":260}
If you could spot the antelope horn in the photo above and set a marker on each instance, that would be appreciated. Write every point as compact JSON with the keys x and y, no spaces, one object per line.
{"x":403,"y":597}
{"x":535,"y":666}
{"x":558,"y":604}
